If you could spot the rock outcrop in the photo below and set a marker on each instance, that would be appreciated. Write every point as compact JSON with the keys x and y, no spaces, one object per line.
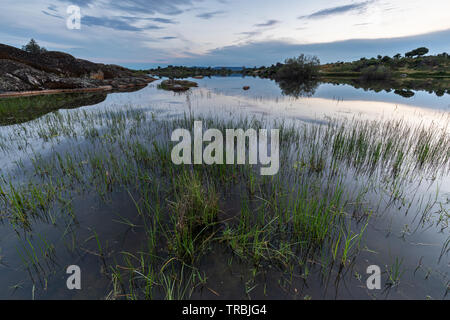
{"x":177,"y":85}
{"x":23,"y":71}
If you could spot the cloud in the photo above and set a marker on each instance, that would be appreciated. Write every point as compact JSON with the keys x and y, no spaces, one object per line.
{"x":168,"y":38}
{"x":162,"y":20}
{"x":81,"y":3}
{"x":250,"y":33}
{"x":140,"y":19}
{"x":52,"y":8}
{"x":269,"y":52}
{"x":172,"y":7}
{"x":337,"y":10}
{"x":114,"y":23}
{"x":209,"y":15}
{"x":269,"y":23}
{"x":52,"y":14}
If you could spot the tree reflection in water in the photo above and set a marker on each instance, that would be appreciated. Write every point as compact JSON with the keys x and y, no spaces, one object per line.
{"x":298,"y":89}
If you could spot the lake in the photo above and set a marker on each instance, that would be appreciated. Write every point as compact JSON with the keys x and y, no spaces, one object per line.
{"x":63,"y":202}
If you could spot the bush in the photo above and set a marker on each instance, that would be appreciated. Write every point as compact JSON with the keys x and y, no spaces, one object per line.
{"x":300,"y":68}
{"x":376,"y":73}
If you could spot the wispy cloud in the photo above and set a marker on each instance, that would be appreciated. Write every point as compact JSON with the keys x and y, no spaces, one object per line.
{"x":250,"y":34}
{"x":162,"y":20}
{"x":359,"y":6}
{"x":209,"y":15}
{"x":52,"y":7}
{"x":52,"y":14}
{"x":172,"y":7}
{"x":269,"y":23}
{"x":136,"y":19}
{"x":81,"y":3}
{"x":115,"y":23}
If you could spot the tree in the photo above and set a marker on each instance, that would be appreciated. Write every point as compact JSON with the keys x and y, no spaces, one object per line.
{"x":386,"y":59}
{"x":300,"y":68}
{"x":33,"y":47}
{"x":417,"y":52}
{"x":422,"y":51}
{"x":397,"y":56}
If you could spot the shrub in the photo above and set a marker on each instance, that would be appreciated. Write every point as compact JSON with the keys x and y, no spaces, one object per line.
{"x":300,"y":68}
{"x":376,"y":73}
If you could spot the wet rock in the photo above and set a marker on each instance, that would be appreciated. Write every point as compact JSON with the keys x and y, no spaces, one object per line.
{"x":177,"y":85}
{"x":99,"y":75}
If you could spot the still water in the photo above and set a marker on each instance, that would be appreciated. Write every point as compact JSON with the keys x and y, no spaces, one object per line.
{"x":415,"y":247}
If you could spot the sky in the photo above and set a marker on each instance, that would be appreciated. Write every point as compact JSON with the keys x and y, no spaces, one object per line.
{"x":148,"y":33}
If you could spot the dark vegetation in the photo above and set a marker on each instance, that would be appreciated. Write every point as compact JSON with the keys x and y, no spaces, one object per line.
{"x":297,"y":69}
{"x":301,"y":68}
{"x":33,"y":47}
{"x":413,"y":65}
{"x":180,"y":72}
{"x":177,"y":85}
{"x":296,"y":77}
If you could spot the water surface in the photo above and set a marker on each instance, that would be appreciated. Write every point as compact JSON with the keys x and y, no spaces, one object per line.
{"x":393,"y":235}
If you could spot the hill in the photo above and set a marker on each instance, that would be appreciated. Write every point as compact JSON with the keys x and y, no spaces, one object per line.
{"x":24,"y":71}
{"x":381,"y":68}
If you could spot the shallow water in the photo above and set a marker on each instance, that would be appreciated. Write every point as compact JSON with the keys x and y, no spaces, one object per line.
{"x":393,"y":234}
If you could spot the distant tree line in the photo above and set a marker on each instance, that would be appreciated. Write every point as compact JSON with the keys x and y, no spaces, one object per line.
{"x":308,"y":68}
{"x":180,"y":72}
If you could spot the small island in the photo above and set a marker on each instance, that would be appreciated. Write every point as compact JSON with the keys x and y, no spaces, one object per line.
{"x":177,"y":85}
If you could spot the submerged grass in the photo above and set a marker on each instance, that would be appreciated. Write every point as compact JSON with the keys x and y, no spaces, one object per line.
{"x":306,"y":215}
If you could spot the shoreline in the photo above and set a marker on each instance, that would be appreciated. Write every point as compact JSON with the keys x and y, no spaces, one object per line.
{"x":106,"y":88}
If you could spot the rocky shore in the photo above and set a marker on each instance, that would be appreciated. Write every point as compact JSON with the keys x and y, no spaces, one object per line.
{"x":177,"y":85}
{"x":23,"y":73}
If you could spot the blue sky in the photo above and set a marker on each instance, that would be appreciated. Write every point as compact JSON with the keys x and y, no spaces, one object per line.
{"x":147,"y":33}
